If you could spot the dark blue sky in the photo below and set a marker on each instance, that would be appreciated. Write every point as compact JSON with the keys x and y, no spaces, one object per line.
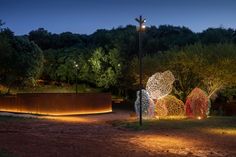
{"x":85,"y":16}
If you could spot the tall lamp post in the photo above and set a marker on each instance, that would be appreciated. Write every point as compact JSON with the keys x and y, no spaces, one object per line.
{"x":141,"y":29}
{"x":76,"y":76}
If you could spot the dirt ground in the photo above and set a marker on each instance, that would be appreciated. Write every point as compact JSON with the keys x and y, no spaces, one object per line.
{"x":94,"y":135}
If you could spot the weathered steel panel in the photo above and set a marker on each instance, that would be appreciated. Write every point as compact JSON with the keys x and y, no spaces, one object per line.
{"x":57,"y":103}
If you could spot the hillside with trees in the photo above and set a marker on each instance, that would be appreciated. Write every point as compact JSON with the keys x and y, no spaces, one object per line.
{"x":108,"y":59}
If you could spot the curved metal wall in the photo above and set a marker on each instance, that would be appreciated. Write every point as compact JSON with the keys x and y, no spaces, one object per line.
{"x":57,"y":103}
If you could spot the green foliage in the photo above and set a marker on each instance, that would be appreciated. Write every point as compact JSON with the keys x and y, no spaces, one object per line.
{"x":28,"y":60}
{"x":61,"y":64}
{"x":21,"y":60}
{"x":105,"y":68}
{"x":94,"y":67}
{"x":213,"y":65}
{"x":222,"y":123}
{"x":108,"y":58}
{"x":4,"y":153}
{"x":1,"y":24}
{"x":210,"y":67}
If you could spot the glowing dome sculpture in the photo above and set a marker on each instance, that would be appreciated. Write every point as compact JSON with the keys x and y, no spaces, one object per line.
{"x":170,"y":106}
{"x":148,"y":107}
{"x":197,"y":104}
{"x":160,"y":84}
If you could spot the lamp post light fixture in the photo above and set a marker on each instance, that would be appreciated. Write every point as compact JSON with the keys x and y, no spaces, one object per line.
{"x":141,"y":29}
{"x":76,"y":76}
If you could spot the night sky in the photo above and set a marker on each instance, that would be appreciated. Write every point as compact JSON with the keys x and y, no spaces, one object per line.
{"x":86,"y":16}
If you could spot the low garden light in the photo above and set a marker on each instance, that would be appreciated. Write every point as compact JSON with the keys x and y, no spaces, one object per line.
{"x":199,"y":118}
{"x":141,"y":29}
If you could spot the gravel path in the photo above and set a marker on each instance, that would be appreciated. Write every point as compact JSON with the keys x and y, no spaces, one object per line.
{"x":92,"y":135}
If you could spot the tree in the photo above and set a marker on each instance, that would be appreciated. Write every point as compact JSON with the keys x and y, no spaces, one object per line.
{"x":210,"y":67}
{"x":218,"y":70}
{"x":28,"y":60}
{"x":21,"y":60}
{"x":216,"y":35}
{"x":183,"y":63}
{"x":1,"y":24}
{"x":105,"y":68}
{"x":6,"y":55}
{"x":41,"y":37}
{"x":167,"y":37}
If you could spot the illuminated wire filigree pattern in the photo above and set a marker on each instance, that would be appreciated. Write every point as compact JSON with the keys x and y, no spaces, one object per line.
{"x":197,"y":104}
{"x":161,"y":109}
{"x":160,"y":84}
{"x":170,"y":106}
{"x":148,"y":107}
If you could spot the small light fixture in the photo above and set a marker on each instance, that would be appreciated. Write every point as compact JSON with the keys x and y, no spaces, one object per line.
{"x":199,"y":118}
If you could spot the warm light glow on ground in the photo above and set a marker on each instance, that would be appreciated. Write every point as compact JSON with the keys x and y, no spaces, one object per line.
{"x":173,"y":117}
{"x":68,"y":119}
{"x":172,"y":144}
{"x":221,"y":131}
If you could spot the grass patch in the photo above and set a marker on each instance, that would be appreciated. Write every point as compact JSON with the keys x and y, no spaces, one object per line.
{"x":51,"y":88}
{"x":4,"y":153}
{"x":6,"y":118}
{"x":129,"y":125}
{"x":179,"y":124}
{"x":82,"y":88}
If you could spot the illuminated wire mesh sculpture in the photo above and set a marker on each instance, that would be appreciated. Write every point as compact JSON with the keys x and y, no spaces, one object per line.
{"x":148,"y":107}
{"x":161,"y":109}
{"x":170,"y":106}
{"x":160,"y":84}
{"x":197,"y":104}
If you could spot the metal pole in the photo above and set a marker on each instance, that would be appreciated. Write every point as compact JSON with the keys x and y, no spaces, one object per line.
{"x":76,"y":88}
{"x":140,"y":70}
{"x":140,"y":74}
{"x":141,"y":22}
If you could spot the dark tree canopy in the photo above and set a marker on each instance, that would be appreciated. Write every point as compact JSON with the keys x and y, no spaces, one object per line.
{"x":21,"y":60}
{"x":216,"y":35}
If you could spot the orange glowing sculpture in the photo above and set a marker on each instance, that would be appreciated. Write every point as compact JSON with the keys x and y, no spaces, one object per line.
{"x":169,"y":106}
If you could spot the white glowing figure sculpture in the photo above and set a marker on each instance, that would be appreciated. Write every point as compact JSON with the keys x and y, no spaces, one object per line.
{"x":148,"y":107}
{"x":160,"y":84}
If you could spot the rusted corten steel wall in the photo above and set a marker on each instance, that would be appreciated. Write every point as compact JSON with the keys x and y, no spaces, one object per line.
{"x":57,"y":103}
